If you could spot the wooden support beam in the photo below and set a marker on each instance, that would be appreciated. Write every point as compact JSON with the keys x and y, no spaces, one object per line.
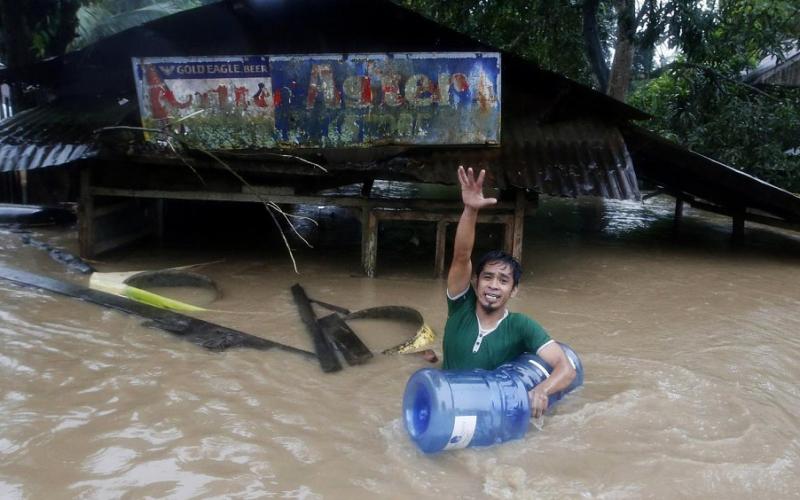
{"x":369,"y":254}
{"x":86,"y":215}
{"x":366,"y":188}
{"x":23,"y":185}
{"x":417,"y":215}
{"x":519,"y":221}
{"x":678,"y":212}
{"x":753,"y":217}
{"x":441,"y":241}
{"x":333,"y":201}
{"x":737,"y":234}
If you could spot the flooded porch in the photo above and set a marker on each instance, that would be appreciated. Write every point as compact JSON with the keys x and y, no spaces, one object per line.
{"x":690,"y":349}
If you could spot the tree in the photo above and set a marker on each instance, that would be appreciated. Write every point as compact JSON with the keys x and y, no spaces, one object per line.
{"x":545,"y":31}
{"x":698,"y":100}
{"x":34,"y":29}
{"x":701,"y":101}
{"x":98,"y":19}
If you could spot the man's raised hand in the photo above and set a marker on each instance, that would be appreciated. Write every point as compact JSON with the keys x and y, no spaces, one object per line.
{"x":472,"y":189}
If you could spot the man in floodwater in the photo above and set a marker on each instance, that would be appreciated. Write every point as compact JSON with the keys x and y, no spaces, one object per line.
{"x":480,"y":331}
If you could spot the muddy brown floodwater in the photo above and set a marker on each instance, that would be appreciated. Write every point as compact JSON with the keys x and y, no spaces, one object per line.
{"x":690,"y":348}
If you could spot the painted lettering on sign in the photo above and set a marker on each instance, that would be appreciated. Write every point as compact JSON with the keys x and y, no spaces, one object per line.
{"x":257,"y":102}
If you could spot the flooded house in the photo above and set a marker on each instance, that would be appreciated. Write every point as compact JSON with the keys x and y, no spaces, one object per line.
{"x":690,"y":348}
{"x":317,"y":103}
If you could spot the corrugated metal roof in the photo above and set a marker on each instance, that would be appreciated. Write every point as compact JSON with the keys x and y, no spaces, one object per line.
{"x":574,"y":158}
{"x":683,"y":172}
{"x":57,"y":133}
{"x":772,"y":72}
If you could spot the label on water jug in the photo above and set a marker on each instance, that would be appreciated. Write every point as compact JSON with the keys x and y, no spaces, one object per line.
{"x":463,"y":430}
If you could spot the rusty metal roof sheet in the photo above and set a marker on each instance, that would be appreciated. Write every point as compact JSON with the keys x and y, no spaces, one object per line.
{"x":685,"y":173}
{"x":573,"y":158}
{"x":57,"y":133}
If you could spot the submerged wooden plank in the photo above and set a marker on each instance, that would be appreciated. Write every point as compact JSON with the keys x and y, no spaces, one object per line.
{"x":327,"y":357}
{"x":199,"y":332}
{"x":346,"y":340}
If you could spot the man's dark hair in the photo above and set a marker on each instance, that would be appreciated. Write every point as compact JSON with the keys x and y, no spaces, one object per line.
{"x":504,"y":258}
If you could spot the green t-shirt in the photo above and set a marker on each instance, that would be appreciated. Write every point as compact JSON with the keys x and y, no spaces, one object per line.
{"x":465,"y":349}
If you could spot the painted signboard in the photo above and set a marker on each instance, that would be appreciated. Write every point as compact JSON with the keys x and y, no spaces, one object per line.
{"x":331,"y":100}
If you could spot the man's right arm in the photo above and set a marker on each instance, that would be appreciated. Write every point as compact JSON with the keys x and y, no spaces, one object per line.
{"x":461,"y":267}
{"x":472,"y":195}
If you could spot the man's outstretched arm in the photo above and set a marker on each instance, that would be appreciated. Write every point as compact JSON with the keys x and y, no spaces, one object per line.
{"x":472,"y":195}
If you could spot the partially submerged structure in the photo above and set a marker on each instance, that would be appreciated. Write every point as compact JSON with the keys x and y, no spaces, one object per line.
{"x":331,"y":93}
{"x":772,"y":71}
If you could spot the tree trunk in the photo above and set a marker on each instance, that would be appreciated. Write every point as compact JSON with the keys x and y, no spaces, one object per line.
{"x":624,"y":51}
{"x":594,"y":49}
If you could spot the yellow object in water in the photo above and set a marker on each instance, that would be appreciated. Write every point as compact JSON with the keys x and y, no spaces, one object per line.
{"x":419,"y":342}
{"x":115,"y":283}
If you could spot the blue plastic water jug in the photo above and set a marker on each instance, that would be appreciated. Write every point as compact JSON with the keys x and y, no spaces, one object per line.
{"x":445,"y":410}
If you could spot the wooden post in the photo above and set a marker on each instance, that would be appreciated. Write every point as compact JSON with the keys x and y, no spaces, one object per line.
{"x":737,"y":236}
{"x":159,"y":220}
{"x":678,"y":211}
{"x":519,"y":220}
{"x":369,"y":240}
{"x":441,"y":241}
{"x":23,"y":185}
{"x":366,"y":188}
{"x":86,"y":215}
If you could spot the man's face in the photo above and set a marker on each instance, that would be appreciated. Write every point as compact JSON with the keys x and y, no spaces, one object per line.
{"x":494,"y":286}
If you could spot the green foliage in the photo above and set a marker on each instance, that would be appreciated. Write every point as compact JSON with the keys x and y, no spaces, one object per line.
{"x":35,"y":29}
{"x":544,"y":31}
{"x":98,"y":19}
{"x":721,"y":117}
{"x":31,"y":30}
{"x":700,"y":101}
